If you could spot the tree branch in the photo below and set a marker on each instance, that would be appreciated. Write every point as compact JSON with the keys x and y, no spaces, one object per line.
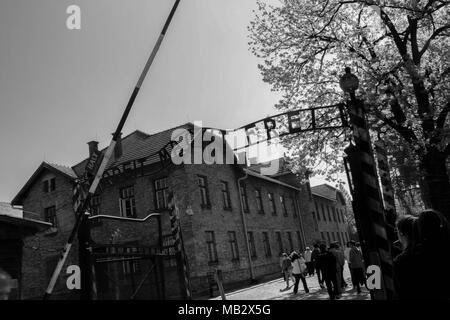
{"x":433,"y":36}
{"x":442,"y":116}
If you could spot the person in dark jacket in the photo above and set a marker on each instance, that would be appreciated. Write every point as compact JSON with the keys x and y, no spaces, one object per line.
{"x":326,"y":262}
{"x":356,"y":263}
{"x":315,"y":253}
{"x":425,"y":242}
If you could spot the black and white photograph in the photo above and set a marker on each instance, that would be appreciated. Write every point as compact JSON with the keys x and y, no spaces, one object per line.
{"x":226,"y":155}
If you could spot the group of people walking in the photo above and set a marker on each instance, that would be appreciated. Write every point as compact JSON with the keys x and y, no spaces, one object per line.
{"x":421,"y":266}
{"x":328,"y":263}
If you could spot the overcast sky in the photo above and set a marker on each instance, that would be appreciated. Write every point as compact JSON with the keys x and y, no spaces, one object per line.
{"x":61,"y":88}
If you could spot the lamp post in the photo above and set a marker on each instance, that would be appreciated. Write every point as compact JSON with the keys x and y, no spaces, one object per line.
{"x":367,"y":201}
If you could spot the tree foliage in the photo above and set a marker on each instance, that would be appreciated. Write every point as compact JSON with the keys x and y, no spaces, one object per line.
{"x":399,"y":49}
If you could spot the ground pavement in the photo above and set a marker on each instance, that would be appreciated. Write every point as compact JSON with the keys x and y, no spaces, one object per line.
{"x":273,"y":290}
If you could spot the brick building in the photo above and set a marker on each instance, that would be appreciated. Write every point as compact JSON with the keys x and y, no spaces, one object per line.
{"x":329,"y":215}
{"x":232,"y":218}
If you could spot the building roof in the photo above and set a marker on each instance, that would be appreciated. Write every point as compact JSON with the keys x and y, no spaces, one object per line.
{"x":13,"y":216}
{"x":138,"y":145}
{"x":7,"y":209}
{"x":55,"y":168}
{"x":267,"y":178}
{"x":328,"y":192}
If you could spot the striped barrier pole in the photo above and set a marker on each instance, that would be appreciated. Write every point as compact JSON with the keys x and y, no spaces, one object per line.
{"x":81,"y":209}
{"x":182,"y":262}
{"x":388,"y":190}
{"x":367,"y":202}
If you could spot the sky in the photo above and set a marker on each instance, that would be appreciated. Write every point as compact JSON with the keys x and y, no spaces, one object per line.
{"x":61,"y":88}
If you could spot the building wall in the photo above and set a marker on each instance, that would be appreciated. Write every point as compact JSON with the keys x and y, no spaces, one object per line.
{"x":331,"y":226}
{"x":220,"y":221}
{"x":194,"y":219}
{"x":41,"y":251}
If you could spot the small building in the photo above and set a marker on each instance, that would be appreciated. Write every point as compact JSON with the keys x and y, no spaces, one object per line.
{"x":330,"y":214}
{"x":14,"y":228}
{"x":232,"y":218}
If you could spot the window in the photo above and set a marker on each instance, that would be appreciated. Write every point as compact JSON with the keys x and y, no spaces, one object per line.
{"x":322,"y":236}
{"x":233,"y":245}
{"x":299,"y":239}
{"x":272,"y":204}
{"x":334,"y":237}
{"x":251,"y":243}
{"x":211,"y":244}
{"x":323,"y":212}
{"x":161,"y":193}
{"x":317,"y":210}
{"x":225,"y":195}
{"x":127,"y":202}
{"x":95,"y":205}
{"x":338,"y":215}
{"x":259,"y":203}
{"x":339,"y":237}
{"x":204,"y":194}
{"x":49,"y":185}
{"x":329,"y":214}
{"x":294,"y":210}
{"x":291,"y":244}
{"x":133,"y":266}
{"x":244,"y":198}
{"x":266,"y":244}
{"x":50,"y":216}
{"x":328,"y":238}
{"x":283,"y":206}
{"x":316,"y":225}
{"x":280,"y":243}
{"x":334,"y":214}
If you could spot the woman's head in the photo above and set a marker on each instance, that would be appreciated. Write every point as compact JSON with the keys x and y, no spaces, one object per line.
{"x":405,"y":229}
{"x":433,"y":229}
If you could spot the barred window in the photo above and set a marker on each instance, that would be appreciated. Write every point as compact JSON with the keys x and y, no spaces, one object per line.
{"x":251,"y":243}
{"x":323,"y":212}
{"x":211,"y":245}
{"x":49,"y":185}
{"x":225,"y":195}
{"x":259,"y":203}
{"x":317,"y":210}
{"x":161,"y":193}
{"x":127,"y":202}
{"x":272,"y":204}
{"x":204,"y":193}
{"x":283,"y":206}
{"x":266,"y":244}
{"x":50,"y":216}
{"x":244,"y":197}
{"x":280,"y":243}
{"x":233,"y":245}
{"x":291,"y":244}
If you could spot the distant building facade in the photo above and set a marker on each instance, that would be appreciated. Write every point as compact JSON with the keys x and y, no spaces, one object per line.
{"x":232,"y":218}
{"x":329,"y":214}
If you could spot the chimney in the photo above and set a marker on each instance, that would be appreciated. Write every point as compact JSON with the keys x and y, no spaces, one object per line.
{"x":93,"y":146}
{"x":118,"y":147}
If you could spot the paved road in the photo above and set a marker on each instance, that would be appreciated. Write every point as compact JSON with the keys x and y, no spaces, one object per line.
{"x":273,"y":290}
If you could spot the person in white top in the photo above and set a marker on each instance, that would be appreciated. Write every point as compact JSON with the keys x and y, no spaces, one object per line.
{"x":309,"y":264}
{"x":298,"y":268}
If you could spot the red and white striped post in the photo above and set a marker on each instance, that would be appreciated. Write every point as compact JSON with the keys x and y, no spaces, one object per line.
{"x":367,"y":201}
{"x":182,"y":262}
